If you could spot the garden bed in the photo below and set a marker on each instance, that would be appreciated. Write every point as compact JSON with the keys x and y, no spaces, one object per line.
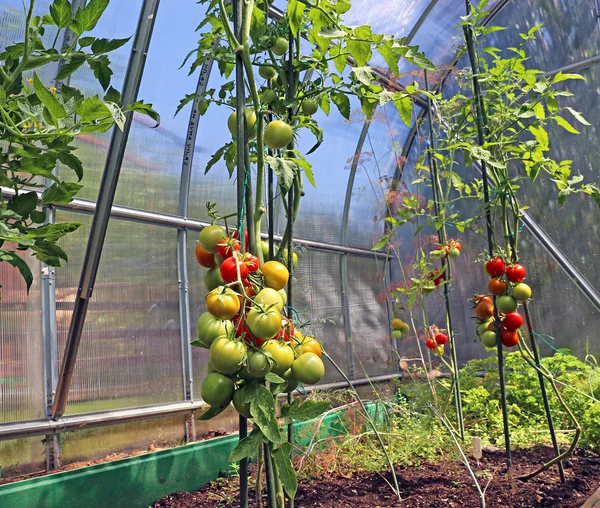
{"x":443,"y":484}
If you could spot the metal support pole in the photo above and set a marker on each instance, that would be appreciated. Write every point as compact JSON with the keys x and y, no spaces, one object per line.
{"x":108,"y":186}
{"x":480,"y":113}
{"x":49,"y":338}
{"x":182,"y":246}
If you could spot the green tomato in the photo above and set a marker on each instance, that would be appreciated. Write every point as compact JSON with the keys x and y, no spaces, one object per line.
{"x":308,"y":368}
{"x":396,"y":334}
{"x":269,"y":96}
{"x":227,"y":356}
{"x":291,"y":380}
{"x":278,"y":134}
{"x":283,"y":295}
{"x":269,"y":296}
{"x":453,"y":252}
{"x":217,"y":389}
{"x":210,"y":236}
{"x":267,"y":72}
{"x":239,"y":403}
{"x":483,"y":327}
{"x":309,"y":107}
{"x":209,"y":328}
{"x":282,"y":355}
{"x":488,"y":339}
{"x":250,"y":123}
{"x":506,"y":304}
{"x":280,"y":46}
{"x":263,"y":323}
{"x":258,"y":365}
{"x":279,"y":107}
{"x":213,"y":279}
{"x":294,"y":258}
{"x":521,"y":292}
{"x":264,"y":245}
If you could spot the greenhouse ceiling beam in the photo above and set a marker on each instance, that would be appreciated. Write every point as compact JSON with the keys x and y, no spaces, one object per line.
{"x":108,"y":186}
{"x":32,"y":428}
{"x":277,"y":14}
{"x":160,"y":219}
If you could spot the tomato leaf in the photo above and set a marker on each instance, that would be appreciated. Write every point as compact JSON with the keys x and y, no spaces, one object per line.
{"x":262,"y":408}
{"x":342,"y":102}
{"x":285,"y":468}
{"x":247,"y":446}
{"x":101,"y":46}
{"x":20,"y":264}
{"x":144,"y":109}
{"x":62,"y":192}
{"x":565,"y":125}
{"x":24,"y":204}
{"x":271,"y":377}
{"x":304,"y":411}
{"x":295,"y":14}
{"x":381,"y":243}
{"x":404,"y":105}
{"x":87,"y":17}
{"x":55,"y":108}
{"x":285,"y":169}
{"x":211,"y":413}
{"x":61,"y":13}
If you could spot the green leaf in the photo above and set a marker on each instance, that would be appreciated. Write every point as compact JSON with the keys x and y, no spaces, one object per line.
{"x":84,"y":42}
{"x":271,"y":377}
{"x":262,"y":408}
{"x":304,"y":411}
{"x":55,"y":108}
{"x":24,"y":204}
{"x":559,"y":76}
{"x":578,"y":116}
{"x":48,"y":252}
{"x":73,"y":162}
{"x":87,"y":17}
{"x":63,"y":192}
{"x":381,"y":243}
{"x":565,"y":125}
{"x":390,"y":57}
{"x":113,"y":95}
{"x":419,"y":59}
{"x":247,"y":446}
{"x":295,"y":14}
{"x":15,"y":260}
{"x":216,"y":157}
{"x":68,"y":93}
{"x":342,"y":102}
{"x":92,"y":109}
{"x":61,"y":13}
{"x":332,"y":33}
{"x":70,"y":66}
{"x":363,"y":74}
{"x":144,"y":109}
{"x":285,"y":468}
{"x":285,"y":169}
{"x":368,"y":106}
{"x":101,"y":46}
{"x":340,"y":60}
{"x":117,"y":114}
{"x":307,"y":168}
{"x":360,"y":52}
{"x":212,"y":412}
{"x":101,"y":69}
{"x":540,"y":135}
{"x":404,"y":105}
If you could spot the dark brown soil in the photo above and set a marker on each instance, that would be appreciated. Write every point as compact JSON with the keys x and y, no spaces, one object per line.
{"x":446,"y":484}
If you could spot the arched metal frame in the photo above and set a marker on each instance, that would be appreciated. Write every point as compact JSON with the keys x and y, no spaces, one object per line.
{"x":184,"y":224}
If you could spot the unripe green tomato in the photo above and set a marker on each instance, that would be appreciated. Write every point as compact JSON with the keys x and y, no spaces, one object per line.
{"x":453,"y":252}
{"x":309,"y":107}
{"x":241,"y":407}
{"x":294,"y":258}
{"x":268,"y":296}
{"x":264,"y":245}
{"x":267,"y":72}
{"x":283,"y":295}
{"x":210,"y":236}
{"x":258,"y":365}
{"x":280,"y":46}
{"x":209,"y":328}
{"x":213,"y":279}
{"x":521,"y":292}
{"x":488,"y":339}
{"x":405,"y":328}
{"x":217,"y":389}
{"x":396,"y":334}
{"x":483,"y":327}
{"x":279,"y":107}
{"x":218,"y":259}
{"x":269,"y":96}
{"x":506,"y":304}
{"x":308,"y":368}
{"x":250,"y":123}
{"x":291,"y":379}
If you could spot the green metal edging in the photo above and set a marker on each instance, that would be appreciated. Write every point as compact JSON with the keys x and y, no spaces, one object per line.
{"x":139,"y":481}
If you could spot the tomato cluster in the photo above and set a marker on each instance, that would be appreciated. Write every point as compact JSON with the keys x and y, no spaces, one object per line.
{"x":399,"y":328}
{"x":451,"y":249}
{"x":506,"y":284}
{"x":436,"y":341}
{"x":246,"y":328}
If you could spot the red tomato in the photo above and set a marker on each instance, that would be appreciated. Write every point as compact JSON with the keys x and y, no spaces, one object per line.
{"x":236,"y":234}
{"x":205,"y":258}
{"x":456,"y":244}
{"x":441,"y":338}
{"x":516,"y":273}
{"x":510,"y":338}
{"x":496,"y":286}
{"x":253,"y":263}
{"x":482,"y":298}
{"x":495,"y":267}
{"x":513,"y":321}
{"x":227,"y":246}
{"x":229,"y":271}
{"x":430,"y":343}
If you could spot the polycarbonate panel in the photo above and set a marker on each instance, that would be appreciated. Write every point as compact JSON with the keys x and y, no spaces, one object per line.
{"x":569,"y":33}
{"x":369,"y":319}
{"x":21,"y":356}
{"x":22,"y":456}
{"x":119,"y":21}
{"x":152,"y":167}
{"x":376,"y":166}
{"x":317,"y":299}
{"x":130,"y":352}
{"x":119,"y":440}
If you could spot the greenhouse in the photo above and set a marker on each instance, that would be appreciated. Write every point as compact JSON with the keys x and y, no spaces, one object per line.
{"x":299,"y":253}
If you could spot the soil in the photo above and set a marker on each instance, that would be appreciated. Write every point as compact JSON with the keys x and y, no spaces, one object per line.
{"x":447,"y":484}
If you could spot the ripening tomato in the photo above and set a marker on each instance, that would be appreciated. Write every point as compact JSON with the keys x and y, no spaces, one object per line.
{"x":521,"y":292}
{"x":456,"y":244}
{"x":482,"y":298}
{"x":513,"y":321}
{"x":205,"y":258}
{"x":226,"y":355}
{"x":495,"y":267}
{"x":430,"y":343}
{"x":484,"y":327}
{"x":229,"y":269}
{"x":441,"y":338}
{"x":282,"y":355}
{"x":223,"y":303}
{"x":516,"y":273}
{"x":496,"y":286}
{"x":278,"y":134}
{"x":217,"y":389}
{"x":510,"y":338}
{"x":308,"y":368}
{"x":405,"y":328}
{"x":312,"y":345}
{"x":268,"y":296}
{"x":276,"y":275}
{"x":210,"y":236}
{"x":227,"y":246}
{"x":396,"y":334}
{"x":397,"y":323}
{"x":484,"y":310}
{"x":263,"y":323}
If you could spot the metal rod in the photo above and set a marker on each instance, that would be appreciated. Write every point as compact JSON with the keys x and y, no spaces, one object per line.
{"x":420,"y":21}
{"x":106,"y":196}
{"x":480,"y":113}
{"x":445,"y":264}
{"x":182,"y":246}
